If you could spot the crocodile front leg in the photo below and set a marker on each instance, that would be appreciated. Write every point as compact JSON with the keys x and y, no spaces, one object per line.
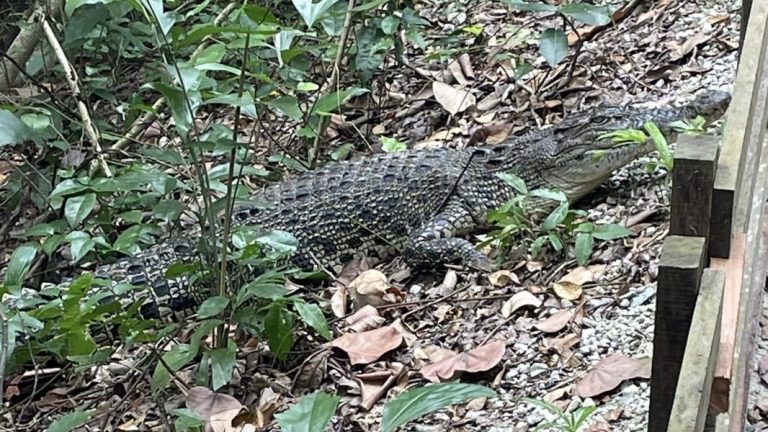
{"x":435,"y":244}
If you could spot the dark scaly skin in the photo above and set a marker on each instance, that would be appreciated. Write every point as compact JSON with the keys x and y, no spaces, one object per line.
{"x":418,"y":202}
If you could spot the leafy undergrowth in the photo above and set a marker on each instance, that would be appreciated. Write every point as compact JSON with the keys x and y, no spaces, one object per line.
{"x":179,"y":110}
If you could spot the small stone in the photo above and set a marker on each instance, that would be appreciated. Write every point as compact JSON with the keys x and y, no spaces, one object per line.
{"x":625,"y":303}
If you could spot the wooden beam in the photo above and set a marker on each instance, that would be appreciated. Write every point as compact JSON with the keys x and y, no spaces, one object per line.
{"x":745,"y":120}
{"x":693,"y":178}
{"x":691,"y":405}
{"x":733,"y":268}
{"x":680,"y":267}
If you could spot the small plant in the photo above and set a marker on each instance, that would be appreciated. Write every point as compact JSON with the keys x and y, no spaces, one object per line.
{"x":565,"y":422}
{"x":563,"y":225}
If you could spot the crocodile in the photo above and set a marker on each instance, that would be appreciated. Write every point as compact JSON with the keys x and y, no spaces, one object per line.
{"x":419,"y":203}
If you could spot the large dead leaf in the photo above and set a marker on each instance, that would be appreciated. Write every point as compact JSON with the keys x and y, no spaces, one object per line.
{"x":367,"y":347}
{"x":517,"y":301}
{"x":556,"y":322}
{"x":369,"y":289}
{"x":217,"y":410}
{"x":367,"y":318}
{"x":503,"y":278}
{"x":610,"y":372}
{"x":452,"y":99}
{"x":479,"y":359}
{"x":567,"y":290}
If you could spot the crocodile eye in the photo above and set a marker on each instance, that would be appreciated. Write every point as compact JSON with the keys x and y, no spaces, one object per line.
{"x":598,"y":119}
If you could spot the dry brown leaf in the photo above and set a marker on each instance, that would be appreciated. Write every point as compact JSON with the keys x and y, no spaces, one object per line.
{"x":717,"y":19}
{"x":556,"y":322}
{"x":557,"y":394}
{"x":490,"y":134}
{"x":339,"y":302}
{"x":614,"y":414}
{"x":369,"y":288}
{"x":480,"y":359}
{"x":435,"y":353}
{"x":409,"y":337}
{"x":217,"y":410}
{"x":689,"y":45}
{"x":562,"y":345}
{"x":517,"y":301}
{"x":367,"y":318}
{"x":567,"y":290}
{"x":447,"y":286}
{"x":367,"y":347}
{"x":610,"y":372}
{"x":313,"y":371}
{"x":466,"y":65}
{"x":599,"y":426}
{"x":374,"y":385}
{"x":579,"y":276}
{"x":503,"y":278}
{"x":534,"y":266}
{"x":455,"y":69}
{"x":452,"y":99}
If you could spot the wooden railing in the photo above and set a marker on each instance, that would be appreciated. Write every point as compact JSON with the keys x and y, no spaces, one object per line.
{"x":713,"y":264}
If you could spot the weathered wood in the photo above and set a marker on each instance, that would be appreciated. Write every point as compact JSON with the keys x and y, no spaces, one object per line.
{"x":746,"y":7}
{"x":745,"y":120}
{"x":733,"y":268}
{"x":693,"y":178}
{"x":691,"y":405}
{"x":680,"y":267}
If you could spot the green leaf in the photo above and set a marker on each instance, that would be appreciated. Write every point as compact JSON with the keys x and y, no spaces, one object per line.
{"x":278,"y":326}
{"x":550,"y":194}
{"x":18,"y":266}
{"x":168,"y":210}
{"x":310,"y":12}
{"x":516,"y":182}
{"x":332,"y":102}
{"x":307,"y":86}
{"x":389,"y":24}
{"x":420,"y":401}
{"x":584,"y":242}
{"x":212,"y":307}
{"x":80,"y":244}
{"x":531,"y":7}
{"x":179,"y":356}
{"x":223,"y":362}
{"x":553,"y":45}
{"x":288,"y":105}
{"x":341,"y":152}
{"x":281,"y":241}
{"x":610,"y":231}
{"x":522,"y":69}
{"x":391,"y":145}
{"x":554,"y":218}
{"x":78,"y":208}
{"x":12,"y":130}
{"x":40,"y":230}
{"x":70,"y":422}
{"x":588,"y":13}
{"x":313,"y":316}
{"x":661,"y":145}
{"x":312,"y":413}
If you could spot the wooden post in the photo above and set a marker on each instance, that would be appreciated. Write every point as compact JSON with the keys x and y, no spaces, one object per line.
{"x":691,"y":405}
{"x":680,"y":268}
{"x":746,"y":119}
{"x":693,"y":179}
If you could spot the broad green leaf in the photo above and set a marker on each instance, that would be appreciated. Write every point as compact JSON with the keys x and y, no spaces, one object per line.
{"x":610,"y":231}
{"x":420,"y":401}
{"x":516,"y":182}
{"x":168,"y":210}
{"x":550,"y":194}
{"x":313,"y":316}
{"x":18,"y":266}
{"x":79,"y":342}
{"x":85,"y":20}
{"x":278,"y":326}
{"x":584,"y":242}
{"x":288,"y":105}
{"x":281,"y":241}
{"x":78,"y":208}
{"x":312,"y":413}
{"x":330,"y":103}
{"x":80,"y":244}
{"x":307,"y":86}
{"x":212,"y":306}
{"x":310,"y":11}
{"x":555,"y":218}
{"x":12,"y":129}
{"x":553,"y":45}
{"x":389,"y":24}
{"x":51,"y":243}
{"x":222,"y":364}
{"x":40,"y":230}
{"x":531,"y":7}
{"x":588,"y":13}
{"x":341,"y":152}
{"x":128,"y":241}
{"x":187,"y":420}
{"x":177,"y":101}
{"x":70,"y":422}
{"x":179,"y":356}
{"x":661,"y":144}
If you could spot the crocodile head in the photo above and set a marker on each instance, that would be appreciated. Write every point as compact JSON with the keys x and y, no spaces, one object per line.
{"x":575,"y":157}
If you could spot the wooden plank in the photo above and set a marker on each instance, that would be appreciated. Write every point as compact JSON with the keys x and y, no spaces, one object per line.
{"x":680,"y":267}
{"x":691,"y":405}
{"x":693,"y":179}
{"x":732,"y":267}
{"x":747,"y":110}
